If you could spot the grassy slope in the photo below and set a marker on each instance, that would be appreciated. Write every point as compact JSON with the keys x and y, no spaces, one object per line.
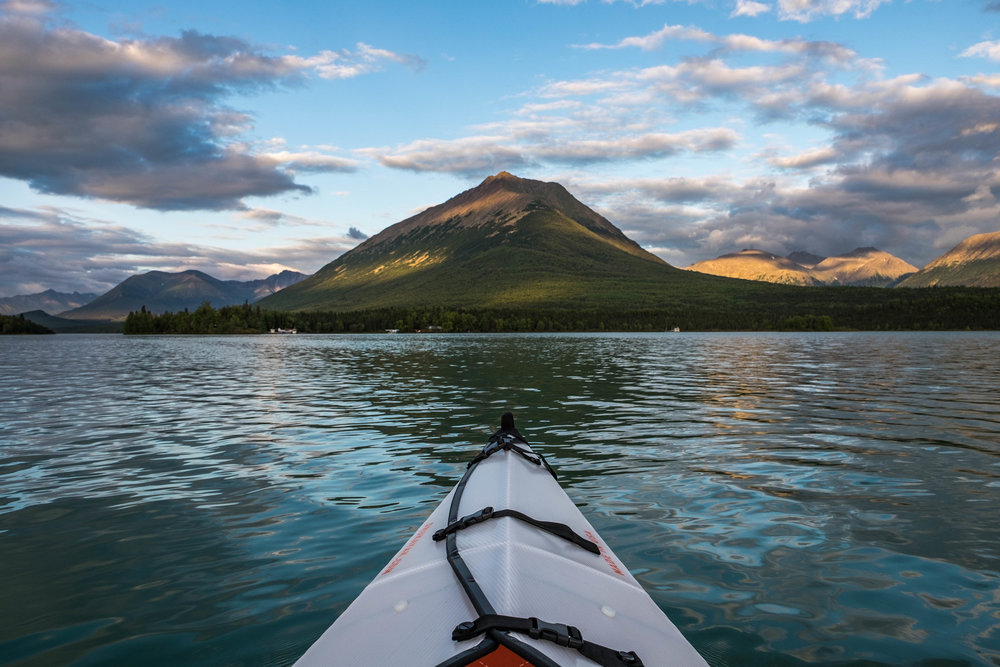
{"x":549,"y":261}
{"x":977,"y":273}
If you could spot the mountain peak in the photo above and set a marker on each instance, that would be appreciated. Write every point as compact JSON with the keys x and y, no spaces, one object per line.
{"x":507,"y":240}
{"x":501,"y":200}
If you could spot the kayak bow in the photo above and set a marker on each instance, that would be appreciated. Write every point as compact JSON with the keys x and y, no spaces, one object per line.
{"x":506,"y":572}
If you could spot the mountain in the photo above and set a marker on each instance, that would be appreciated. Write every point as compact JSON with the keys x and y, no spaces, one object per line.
{"x":753,"y":264}
{"x":861,"y":266}
{"x":508,"y":242}
{"x":50,"y":301}
{"x":975,"y":262}
{"x":160,"y":291}
{"x":273,"y":283}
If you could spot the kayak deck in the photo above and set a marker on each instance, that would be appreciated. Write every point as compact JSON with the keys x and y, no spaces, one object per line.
{"x":535,"y":586}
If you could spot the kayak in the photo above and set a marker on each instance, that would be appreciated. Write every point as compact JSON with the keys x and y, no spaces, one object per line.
{"x":505,"y":572}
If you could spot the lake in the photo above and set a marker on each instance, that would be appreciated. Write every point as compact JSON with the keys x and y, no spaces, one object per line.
{"x":785,"y":498}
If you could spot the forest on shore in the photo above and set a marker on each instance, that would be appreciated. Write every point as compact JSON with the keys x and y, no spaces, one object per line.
{"x":18,"y":324}
{"x":817,"y":309}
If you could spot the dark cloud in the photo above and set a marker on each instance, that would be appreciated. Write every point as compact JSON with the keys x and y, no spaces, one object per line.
{"x":52,"y":249}
{"x":138,"y":121}
{"x":357,"y":234}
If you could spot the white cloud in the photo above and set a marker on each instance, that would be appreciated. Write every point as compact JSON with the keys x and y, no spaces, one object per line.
{"x":807,"y":10}
{"x":750,"y":8}
{"x":346,"y":64}
{"x":806,"y":160}
{"x":655,"y":40}
{"x":989,"y":50}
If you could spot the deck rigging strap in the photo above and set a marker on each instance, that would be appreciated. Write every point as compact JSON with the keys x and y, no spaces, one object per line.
{"x":503,"y":441}
{"x":494,"y":625}
{"x":563,"y":635}
{"x":552,"y":527}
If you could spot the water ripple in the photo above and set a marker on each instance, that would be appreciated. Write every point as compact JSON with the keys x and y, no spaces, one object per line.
{"x":827,"y":498}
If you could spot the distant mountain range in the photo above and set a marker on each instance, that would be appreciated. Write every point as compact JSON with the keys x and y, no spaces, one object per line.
{"x":975,"y":262}
{"x":509,"y":242}
{"x":50,"y":301}
{"x":861,"y":266}
{"x":514,"y":243}
{"x":159,"y":291}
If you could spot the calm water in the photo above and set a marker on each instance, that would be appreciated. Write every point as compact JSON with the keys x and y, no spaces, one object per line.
{"x":785,"y":498}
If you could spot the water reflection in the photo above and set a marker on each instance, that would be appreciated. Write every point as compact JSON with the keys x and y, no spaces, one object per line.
{"x":785,"y":498}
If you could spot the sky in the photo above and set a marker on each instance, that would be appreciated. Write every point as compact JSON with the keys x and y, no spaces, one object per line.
{"x":245,"y":138}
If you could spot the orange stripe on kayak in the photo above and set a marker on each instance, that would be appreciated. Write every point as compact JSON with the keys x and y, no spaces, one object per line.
{"x":502,"y":657}
{"x":604,"y":552}
{"x":409,"y":546}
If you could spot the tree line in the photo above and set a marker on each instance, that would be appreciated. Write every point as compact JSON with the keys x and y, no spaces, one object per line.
{"x":17,"y":324}
{"x":812,"y":309}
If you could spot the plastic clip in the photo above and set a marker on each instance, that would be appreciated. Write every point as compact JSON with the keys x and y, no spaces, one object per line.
{"x":563,"y":635}
{"x":629,"y":658}
{"x":466,"y":521}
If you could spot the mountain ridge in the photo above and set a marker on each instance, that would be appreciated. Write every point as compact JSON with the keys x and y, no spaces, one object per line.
{"x":50,"y":301}
{"x":860,"y":267}
{"x":974,"y":262}
{"x":161,"y":291}
{"x":506,"y":242}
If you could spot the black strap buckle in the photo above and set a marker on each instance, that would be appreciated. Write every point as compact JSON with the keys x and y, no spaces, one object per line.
{"x":564,"y":635}
{"x":471,"y":519}
{"x":558,"y":633}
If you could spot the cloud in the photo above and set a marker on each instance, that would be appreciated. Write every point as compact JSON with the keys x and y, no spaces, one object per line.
{"x":356,"y":234}
{"x":28,"y":7}
{"x":738,"y":43}
{"x":656,"y":40}
{"x":909,"y":167}
{"x":806,"y":160}
{"x":144,"y":121}
{"x":477,"y":155}
{"x":989,"y":50}
{"x":802,"y":11}
{"x":750,"y":8}
{"x":49,"y":248}
{"x":346,"y":64}
{"x":469,"y":155}
{"x":807,"y":10}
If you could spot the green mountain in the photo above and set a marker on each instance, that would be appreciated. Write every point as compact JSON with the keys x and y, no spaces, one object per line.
{"x":975,"y":262}
{"x":159,"y":291}
{"x":509,"y":242}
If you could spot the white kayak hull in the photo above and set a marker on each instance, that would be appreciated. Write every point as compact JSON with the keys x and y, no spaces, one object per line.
{"x":407,"y":615}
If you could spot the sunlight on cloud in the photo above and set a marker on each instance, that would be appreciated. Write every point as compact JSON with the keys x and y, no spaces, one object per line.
{"x":805,"y":160}
{"x":148,"y":124}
